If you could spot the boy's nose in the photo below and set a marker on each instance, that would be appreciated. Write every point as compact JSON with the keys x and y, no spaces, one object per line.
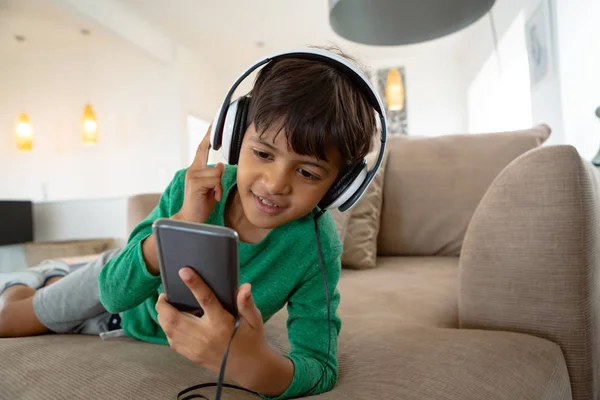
{"x":276,"y":181}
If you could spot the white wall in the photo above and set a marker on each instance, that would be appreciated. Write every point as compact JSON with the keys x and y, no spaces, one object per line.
{"x":62,"y":220}
{"x":547,"y":99}
{"x":567,"y":98}
{"x":201,"y":98}
{"x":507,"y":80}
{"x":579,"y":64}
{"x":499,"y":97}
{"x":141,"y":105}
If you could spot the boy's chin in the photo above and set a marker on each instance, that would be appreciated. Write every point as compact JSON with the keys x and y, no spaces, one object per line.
{"x":265,"y":222}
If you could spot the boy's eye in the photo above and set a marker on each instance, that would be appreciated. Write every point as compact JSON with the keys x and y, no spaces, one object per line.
{"x":308,"y":175}
{"x":261,"y":154}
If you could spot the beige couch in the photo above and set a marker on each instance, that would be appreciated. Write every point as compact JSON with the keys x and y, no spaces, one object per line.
{"x":484,"y":286}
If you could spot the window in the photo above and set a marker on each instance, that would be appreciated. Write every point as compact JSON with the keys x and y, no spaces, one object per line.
{"x":196,"y":130}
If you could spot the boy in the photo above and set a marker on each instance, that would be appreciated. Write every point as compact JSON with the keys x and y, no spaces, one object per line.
{"x":307,"y":123}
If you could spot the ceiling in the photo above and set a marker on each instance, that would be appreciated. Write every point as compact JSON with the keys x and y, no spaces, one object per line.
{"x":230,"y":34}
{"x":240,"y":31}
{"x":40,"y":22}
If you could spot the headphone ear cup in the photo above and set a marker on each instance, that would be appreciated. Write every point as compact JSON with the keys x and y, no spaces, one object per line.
{"x":344,"y":187}
{"x":239,"y":129}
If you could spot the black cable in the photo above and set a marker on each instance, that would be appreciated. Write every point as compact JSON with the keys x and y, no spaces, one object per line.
{"x":318,"y":239}
{"x":220,"y":383}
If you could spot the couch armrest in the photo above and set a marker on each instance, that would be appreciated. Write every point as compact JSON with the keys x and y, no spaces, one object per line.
{"x":531,"y":257}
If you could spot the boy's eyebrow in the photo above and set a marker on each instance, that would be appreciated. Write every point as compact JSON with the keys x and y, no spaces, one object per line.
{"x":260,"y":140}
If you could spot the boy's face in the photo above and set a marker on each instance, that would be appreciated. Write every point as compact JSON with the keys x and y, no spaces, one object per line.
{"x":275,"y":184}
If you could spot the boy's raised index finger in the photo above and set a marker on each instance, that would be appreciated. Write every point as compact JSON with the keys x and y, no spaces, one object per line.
{"x":201,"y":158}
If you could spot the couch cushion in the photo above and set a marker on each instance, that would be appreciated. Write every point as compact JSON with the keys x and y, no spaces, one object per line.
{"x":389,"y":346}
{"x":360,"y":239}
{"x":400,"y":363}
{"x":340,"y":220}
{"x":419,"y":291}
{"x":448,"y":364}
{"x":433,"y":185}
{"x":138,"y":208}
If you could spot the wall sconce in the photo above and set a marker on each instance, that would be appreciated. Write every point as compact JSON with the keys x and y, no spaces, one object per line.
{"x":24,"y":132}
{"x":89,"y":126}
{"x":394,"y":90}
{"x":89,"y":123}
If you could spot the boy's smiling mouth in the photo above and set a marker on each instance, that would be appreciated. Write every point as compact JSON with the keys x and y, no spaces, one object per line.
{"x":266,"y":204}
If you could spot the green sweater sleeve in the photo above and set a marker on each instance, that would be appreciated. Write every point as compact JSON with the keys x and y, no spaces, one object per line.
{"x":308,"y":330}
{"x":125,"y":282}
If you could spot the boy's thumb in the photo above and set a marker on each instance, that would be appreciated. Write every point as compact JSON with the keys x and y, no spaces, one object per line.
{"x":247,"y":308}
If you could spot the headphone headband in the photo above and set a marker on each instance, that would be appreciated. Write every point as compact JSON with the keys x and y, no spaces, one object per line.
{"x":338,"y":62}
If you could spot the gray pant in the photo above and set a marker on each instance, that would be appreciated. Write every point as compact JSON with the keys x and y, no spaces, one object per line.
{"x":72,"y":304}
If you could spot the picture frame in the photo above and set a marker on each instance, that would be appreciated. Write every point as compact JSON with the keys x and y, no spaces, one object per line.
{"x":540,"y":46}
{"x":397,"y":120}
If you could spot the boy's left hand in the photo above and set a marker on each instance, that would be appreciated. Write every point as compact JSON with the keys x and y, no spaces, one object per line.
{"x":204,"y":340}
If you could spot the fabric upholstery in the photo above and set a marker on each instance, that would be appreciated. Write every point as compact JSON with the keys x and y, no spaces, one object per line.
{"x":417,"y":291}
{"x":341,"y":222}
{"x":398,"y":341}
{"x":426,"y":363}
{"x":531,"y":258}
{"x":433,"y":185}
{"x":360,"y":239}
{"x":138,"y":208}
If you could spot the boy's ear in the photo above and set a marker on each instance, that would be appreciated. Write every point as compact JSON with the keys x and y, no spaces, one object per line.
{"x":339,"y":186}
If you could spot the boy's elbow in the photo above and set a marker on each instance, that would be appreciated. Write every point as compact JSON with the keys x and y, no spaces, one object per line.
{"x":332,"y":381}
{"x":108,"y":303}
{"x":328,"y":381}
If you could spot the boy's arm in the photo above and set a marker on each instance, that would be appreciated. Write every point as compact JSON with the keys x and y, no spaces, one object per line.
{"x":130,"y":278}
{"x":308,"y":330}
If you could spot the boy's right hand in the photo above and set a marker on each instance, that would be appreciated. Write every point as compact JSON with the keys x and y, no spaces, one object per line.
{"x":202,"y":191}
{"x":202,"y":185}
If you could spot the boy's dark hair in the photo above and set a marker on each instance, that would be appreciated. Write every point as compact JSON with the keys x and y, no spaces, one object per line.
{"x":318,"y":107}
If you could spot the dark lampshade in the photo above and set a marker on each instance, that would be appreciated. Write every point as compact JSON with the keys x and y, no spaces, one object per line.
{"x":401,"y":22}
{"x":16,"y":222}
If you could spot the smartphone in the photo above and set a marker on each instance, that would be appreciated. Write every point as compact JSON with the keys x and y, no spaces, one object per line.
{"x":210,"y":250}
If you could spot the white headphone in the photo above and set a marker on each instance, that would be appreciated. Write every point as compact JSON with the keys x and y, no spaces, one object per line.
{"x":229,"y":126}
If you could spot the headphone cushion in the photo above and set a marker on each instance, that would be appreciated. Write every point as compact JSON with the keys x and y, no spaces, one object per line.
{"x":239,"y":129}
{"x":340,"y":186}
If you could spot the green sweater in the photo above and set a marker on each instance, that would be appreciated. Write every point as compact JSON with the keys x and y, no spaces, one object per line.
{"x":282,"y":268}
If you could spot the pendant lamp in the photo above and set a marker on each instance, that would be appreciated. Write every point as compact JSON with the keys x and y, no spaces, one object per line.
{"x":89,"y":123}
{"x":402,"y":22}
